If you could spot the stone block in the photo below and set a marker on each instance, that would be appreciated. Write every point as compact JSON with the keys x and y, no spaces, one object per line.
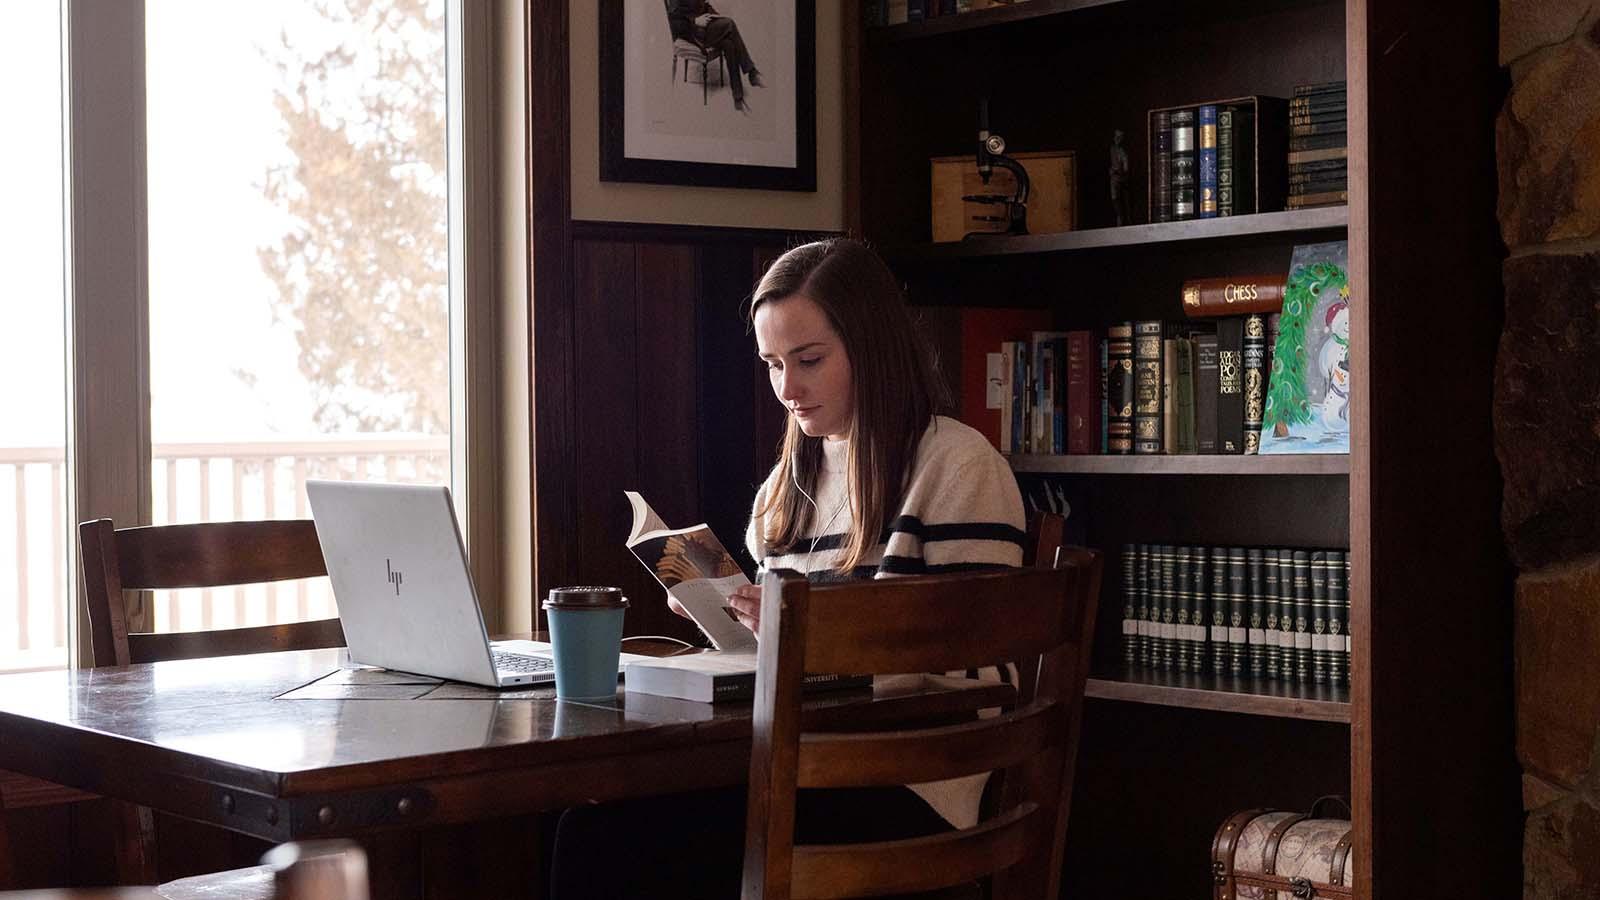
{"x":1548,"y":147}
{"x":1547,"y":407}
{"x":1561,"y":852}
{"x":1538,"y":793}
{"x":1558,"y":671}
{"x":1527,"y":25}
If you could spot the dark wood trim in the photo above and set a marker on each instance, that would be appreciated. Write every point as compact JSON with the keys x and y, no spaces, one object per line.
{"x":647,"y":232}
{"x":552,"y":410}
{"x":851,"y":39}
{"x":984,"y":18}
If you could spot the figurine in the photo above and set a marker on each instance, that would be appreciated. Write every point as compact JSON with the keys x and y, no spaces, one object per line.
{"x":1119,"y":180}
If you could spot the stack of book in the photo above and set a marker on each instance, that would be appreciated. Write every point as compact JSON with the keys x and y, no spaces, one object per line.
{"x":1213,"y":160}
{"x":1051,"y":394}
{"x":1274,"y":614}
{"x":1318,"y":147}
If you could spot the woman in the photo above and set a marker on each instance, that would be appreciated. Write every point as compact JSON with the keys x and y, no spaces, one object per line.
{"x":869,"y":483}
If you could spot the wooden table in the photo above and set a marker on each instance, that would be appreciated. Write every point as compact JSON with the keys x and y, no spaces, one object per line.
{"x":225,"y":741}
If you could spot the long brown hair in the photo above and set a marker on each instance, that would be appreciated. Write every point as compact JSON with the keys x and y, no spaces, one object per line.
{"x":893,"y":380}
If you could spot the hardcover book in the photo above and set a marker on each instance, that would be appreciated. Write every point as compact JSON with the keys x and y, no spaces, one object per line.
{"x":1308,"y":394}
{"x":1223,"y":611}
{"x":1255,"y":372}
{"x":1130,"y":599}
{"x":716,"y":676}
{"x":1230,"y":385}
{"x":1161,"y":168}
{"x":1183,"y":607}
{"x":1269,"y":589}
{"x":1120,"y":391}
{"x":1319,"y":618}
{"x":1147,"y":436}
{"x":1206,"y":162}
{"x":1302,"y":617}
{"x":1082,"y":412}
{"x":695,"y":569}
{"x":1184,"y":165}
{"x":1205,"y":393}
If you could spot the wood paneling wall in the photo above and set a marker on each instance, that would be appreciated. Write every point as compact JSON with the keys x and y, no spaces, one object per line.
{"x":664,"y":396}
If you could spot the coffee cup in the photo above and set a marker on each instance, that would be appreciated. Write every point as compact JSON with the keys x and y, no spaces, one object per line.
{"x":586,"y":640}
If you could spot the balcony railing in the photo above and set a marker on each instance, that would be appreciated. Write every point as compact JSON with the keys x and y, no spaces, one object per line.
{"x":191,"y":482}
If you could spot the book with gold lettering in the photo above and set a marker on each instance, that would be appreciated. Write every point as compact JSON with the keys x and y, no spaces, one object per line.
{"x":1234,"y":295}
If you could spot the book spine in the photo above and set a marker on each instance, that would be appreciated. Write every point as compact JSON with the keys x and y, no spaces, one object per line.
{"x":1230,"y":385}
{"x":1183,"y":607}
{"x":1318,"y":141}
{"x":1244,"y":161}
{"x":1338,"y":619}
{"x":1161,"y":167}
{"x":1142,"y":583}
{"x":1255,"y":380}
{"x":1320,"y":656}
{"x":1169,"y":404}
{"x":1236,"y":613}
{"x":1223,"y":610}
{"x":1302,"y":617}
{"x":1205,"y":393}
{"x":1103,"y":445}
{"x":1058,"y":405}
{"x":1166,"y":556}
{"x":1334,"y":125}
{"x":1299,"y":157}
{"x":1183,"y":396}
{"x":1183,"y":165}
{"x":1233,"y":296}
{"x":1306,"y":110}
{"x":1271,"y":593}
{"x":1301,"y":201}
{"x":1335,"y":183}
{"x":1147,"y":436}
{"x":1319,"y":88}
{"x":1206,"y":162}
{"x":1083,"y":414}
{"x":1005,"y":397}
{"x":1344,"y":671}
{"x":1200,"y":615}
{"x":1225,"y":140}
{"x":1043,"y":396}
{"x":1322,"y":168}
{"x":1019,"y":397}
{"x":1120,"y":388}
{"x":1130,"y":602}
{"x":916,"y":11}
{"x":1244,"y":604}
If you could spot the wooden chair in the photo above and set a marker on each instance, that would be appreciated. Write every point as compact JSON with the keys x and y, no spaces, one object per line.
{"x":924,"y":624}
{"x":212,"y":554}
{"x":692,"y":52}
{"x":318,"y":870}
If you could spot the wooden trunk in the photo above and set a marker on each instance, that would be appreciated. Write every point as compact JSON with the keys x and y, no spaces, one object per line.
{"x":1263,"y":854}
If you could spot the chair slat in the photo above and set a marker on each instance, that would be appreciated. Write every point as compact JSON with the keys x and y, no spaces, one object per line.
{"x":214,"y":554}
{"x":916,"y":864}
{"x":927,"y":754}
{"x":146,"y":647}
{"x":913,"y":619}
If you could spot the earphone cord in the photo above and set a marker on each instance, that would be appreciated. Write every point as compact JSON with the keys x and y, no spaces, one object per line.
{"x":821,"y":532}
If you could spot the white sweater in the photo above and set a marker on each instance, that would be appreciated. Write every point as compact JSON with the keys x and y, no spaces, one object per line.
{"x":961,"y":511}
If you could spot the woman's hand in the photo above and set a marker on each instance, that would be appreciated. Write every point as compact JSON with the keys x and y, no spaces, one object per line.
{"x":746,"y":604}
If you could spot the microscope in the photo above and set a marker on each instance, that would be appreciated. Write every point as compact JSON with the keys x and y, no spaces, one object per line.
{"x":991,"y":154}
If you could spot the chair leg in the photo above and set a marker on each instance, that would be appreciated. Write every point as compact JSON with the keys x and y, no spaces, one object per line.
{"x":135,"y":844}
{"x":705,"y":82}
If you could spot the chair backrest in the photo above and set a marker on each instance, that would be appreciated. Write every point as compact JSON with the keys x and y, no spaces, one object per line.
{"x":318,"y":870}
{"x":1046,"y":534}
{"x":211,"y":554}
{"x":925,"y":624}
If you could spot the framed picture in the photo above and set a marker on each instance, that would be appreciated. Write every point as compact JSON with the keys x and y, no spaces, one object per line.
{"x":719,"y":93}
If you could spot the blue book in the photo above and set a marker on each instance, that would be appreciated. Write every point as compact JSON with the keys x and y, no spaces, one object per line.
{"x":1206,"y":145}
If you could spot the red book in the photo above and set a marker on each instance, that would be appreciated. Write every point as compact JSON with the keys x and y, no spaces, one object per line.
{"x":1083,"y":393}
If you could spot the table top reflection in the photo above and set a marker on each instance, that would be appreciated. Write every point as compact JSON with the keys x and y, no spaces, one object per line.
{"x":293,"y":745}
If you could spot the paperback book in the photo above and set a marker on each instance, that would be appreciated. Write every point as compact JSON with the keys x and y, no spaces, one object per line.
{"x":716,"y":676}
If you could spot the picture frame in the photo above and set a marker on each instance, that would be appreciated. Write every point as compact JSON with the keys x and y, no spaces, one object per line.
{"x":686,"y":128}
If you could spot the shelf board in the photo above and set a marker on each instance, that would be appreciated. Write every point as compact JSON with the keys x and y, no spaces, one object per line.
{"x":1286,"y":222}
{"x":1210,"y":464}
{"x":1322,"y":703}
{"x":983,"y":18}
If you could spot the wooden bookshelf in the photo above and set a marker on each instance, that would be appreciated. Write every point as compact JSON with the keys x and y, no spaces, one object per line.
{"x":1287,"y":222}
{"x":1250,"y":696}
{"x":1297,"y":464}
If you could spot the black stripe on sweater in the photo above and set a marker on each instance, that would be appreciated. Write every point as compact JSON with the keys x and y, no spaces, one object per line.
{"x":958,"y":531}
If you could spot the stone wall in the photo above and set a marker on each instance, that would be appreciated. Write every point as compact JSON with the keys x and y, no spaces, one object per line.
{"x":1547,"y":427}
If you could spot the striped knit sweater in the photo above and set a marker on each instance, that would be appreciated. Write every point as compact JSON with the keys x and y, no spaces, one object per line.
{"x":961,"y":511}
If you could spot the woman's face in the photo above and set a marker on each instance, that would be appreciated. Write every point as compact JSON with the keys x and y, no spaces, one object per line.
{"x":807,"y":364}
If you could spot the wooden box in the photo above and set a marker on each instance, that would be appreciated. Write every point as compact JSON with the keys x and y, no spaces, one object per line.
{"x":1263,"y":854}
{"x":1052,"y":194}
{"x":1269,"y":157}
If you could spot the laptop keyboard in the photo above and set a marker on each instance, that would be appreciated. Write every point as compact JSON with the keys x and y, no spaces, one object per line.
{"x":521,"y":664}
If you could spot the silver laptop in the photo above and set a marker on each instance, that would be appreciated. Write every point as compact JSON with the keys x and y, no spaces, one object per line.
{"x":405,"y":594}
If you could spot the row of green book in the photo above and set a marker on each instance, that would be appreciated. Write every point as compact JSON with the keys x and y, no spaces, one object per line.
{"x":1318,"y":146}
{"x":1274,"y":614}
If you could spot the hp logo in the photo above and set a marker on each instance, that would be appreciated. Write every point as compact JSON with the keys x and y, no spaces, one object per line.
{"x":394,"y":576}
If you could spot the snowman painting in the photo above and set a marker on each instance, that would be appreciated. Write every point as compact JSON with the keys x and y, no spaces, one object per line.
{"x":1308,"y":391}
{"x":1334,"y":364}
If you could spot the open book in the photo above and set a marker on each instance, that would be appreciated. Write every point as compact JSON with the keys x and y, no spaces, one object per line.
{"x":695,"y":569}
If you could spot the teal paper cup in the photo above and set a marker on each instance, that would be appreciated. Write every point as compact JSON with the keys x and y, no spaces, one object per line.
{"x":586,"y":640}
